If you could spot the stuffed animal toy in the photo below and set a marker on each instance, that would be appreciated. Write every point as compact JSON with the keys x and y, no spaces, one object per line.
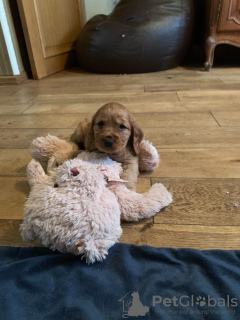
{"x":43,"y":148}
{"x":77,"y":207}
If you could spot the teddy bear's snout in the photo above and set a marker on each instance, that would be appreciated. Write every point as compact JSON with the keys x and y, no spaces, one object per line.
{"x":74,"y":172}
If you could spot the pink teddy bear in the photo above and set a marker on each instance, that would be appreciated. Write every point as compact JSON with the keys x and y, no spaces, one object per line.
{"x":78,"y":206}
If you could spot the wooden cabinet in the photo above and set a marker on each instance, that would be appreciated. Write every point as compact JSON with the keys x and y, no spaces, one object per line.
{"x":223,"y":26}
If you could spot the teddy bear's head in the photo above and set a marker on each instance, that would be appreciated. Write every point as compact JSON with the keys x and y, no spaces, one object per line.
{"x":79,"y":177}
{"x":73,"y":176}
{"x":71,"y":209}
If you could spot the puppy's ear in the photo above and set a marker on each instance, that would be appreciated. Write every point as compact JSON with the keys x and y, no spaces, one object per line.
{"x":83,"y":135}
{"x":90,"y":140}
{"x":136,"y":136}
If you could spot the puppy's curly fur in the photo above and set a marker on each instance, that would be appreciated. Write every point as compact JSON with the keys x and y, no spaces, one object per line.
{"x":114,"y":131}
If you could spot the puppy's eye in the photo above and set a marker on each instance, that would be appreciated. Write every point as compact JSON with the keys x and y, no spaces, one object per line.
{"x":101,"y":124}
{"x":122,"y":127}
{"x":56,"y":185}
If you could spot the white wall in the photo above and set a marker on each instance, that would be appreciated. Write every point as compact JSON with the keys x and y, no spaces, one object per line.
{"x":10,"y":37}
{"x":94,"y":7}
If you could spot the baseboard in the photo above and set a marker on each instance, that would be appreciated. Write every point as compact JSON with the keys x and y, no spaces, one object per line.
{"x":13,"y":80}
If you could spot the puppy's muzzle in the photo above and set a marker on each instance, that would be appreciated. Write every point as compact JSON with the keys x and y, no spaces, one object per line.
{"x":108,"y":142}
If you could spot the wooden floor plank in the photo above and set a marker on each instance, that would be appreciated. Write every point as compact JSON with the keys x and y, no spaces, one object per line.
{"x":139,"y":103}
{"x":201,"y":202}
{"x":41,"y":121}
{"x":210,"y":96}
{"x":13,"y":194}
{"x":103,"y":97}
{"x":11,"y":100}
{"x":188,"y":119}
{"x":195,"y":137}
{"x":162,"y":138}
{"x":189,"y":163}
{"x":13,"y":162}
{"x":198,"y":163}
{"x":13,"y":108}
{"x":143,"y":184}
{"x":230,"y":78}
{"x":10,"y":235}
{"x":183,"y":236}
{"x":92,"y":105}
{"x":22,"y":138}
{"x":8,"y":90}
{"x":184,"y":83}
{"x":228,"y":118}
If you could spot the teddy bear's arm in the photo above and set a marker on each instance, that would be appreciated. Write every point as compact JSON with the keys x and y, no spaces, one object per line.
{"x":43,"y":148}
{"x":35,"y":173}
{"x":135,"y":206}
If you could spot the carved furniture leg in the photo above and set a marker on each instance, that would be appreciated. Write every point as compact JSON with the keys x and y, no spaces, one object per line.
{"x":209,"y":48}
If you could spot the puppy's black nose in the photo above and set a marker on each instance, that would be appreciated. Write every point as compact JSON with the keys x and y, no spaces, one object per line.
{"x":108,"y":142}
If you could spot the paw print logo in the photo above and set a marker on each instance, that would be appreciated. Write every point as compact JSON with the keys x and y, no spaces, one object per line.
{"x":201,"y":301}
{"x":129,"y":304}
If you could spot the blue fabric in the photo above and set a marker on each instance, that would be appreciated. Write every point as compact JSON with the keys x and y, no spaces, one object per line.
{"x":133,"y":282}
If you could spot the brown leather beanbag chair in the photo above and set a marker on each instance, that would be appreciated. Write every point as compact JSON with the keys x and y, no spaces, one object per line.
{"x":138,"y":36}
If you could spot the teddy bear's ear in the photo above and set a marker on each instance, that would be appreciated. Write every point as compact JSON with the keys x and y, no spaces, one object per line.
{"x":35,"y":173}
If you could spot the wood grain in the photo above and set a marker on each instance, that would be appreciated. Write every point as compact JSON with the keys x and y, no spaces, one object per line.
{"x":22,"y":138}
{"x":195,"y":137}
{"x":227,"y":119}
{"x":13,"y":194}
{"x":183,"y":236}
{"x":207,"y":202}
{"x":137,"y":103}
{"x":13,"y":162}
{"x":40,"y":121}
{"x":198,"y":163}
{"x":10,"y":235}
{"x":13,"y":109}
{"x":208,"y":96}
{"x":190,"y":119}
{"x":186,"y":84}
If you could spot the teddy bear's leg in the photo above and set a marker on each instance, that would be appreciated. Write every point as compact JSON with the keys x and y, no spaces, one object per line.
{"x":97,"y":249}
{"x":135,"y":206}
{"x":27,"y":232}
{"x":148,"y":156}
{"x":43,"y":148}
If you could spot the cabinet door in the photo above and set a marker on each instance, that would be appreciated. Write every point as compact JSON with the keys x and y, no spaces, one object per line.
{"x":229,"y":19}
{"x":50,"y":29}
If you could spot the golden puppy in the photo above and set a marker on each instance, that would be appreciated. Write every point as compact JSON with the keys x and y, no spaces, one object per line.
{"x":114,"y":131}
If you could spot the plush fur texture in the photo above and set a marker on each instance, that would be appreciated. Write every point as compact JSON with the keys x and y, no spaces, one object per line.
{"x":77,"y":207}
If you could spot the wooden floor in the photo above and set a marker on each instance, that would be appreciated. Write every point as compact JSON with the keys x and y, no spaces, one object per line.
{"x":192,"y":118}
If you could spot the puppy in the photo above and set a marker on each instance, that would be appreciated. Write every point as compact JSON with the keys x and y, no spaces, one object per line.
{"x":114,"y":131}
